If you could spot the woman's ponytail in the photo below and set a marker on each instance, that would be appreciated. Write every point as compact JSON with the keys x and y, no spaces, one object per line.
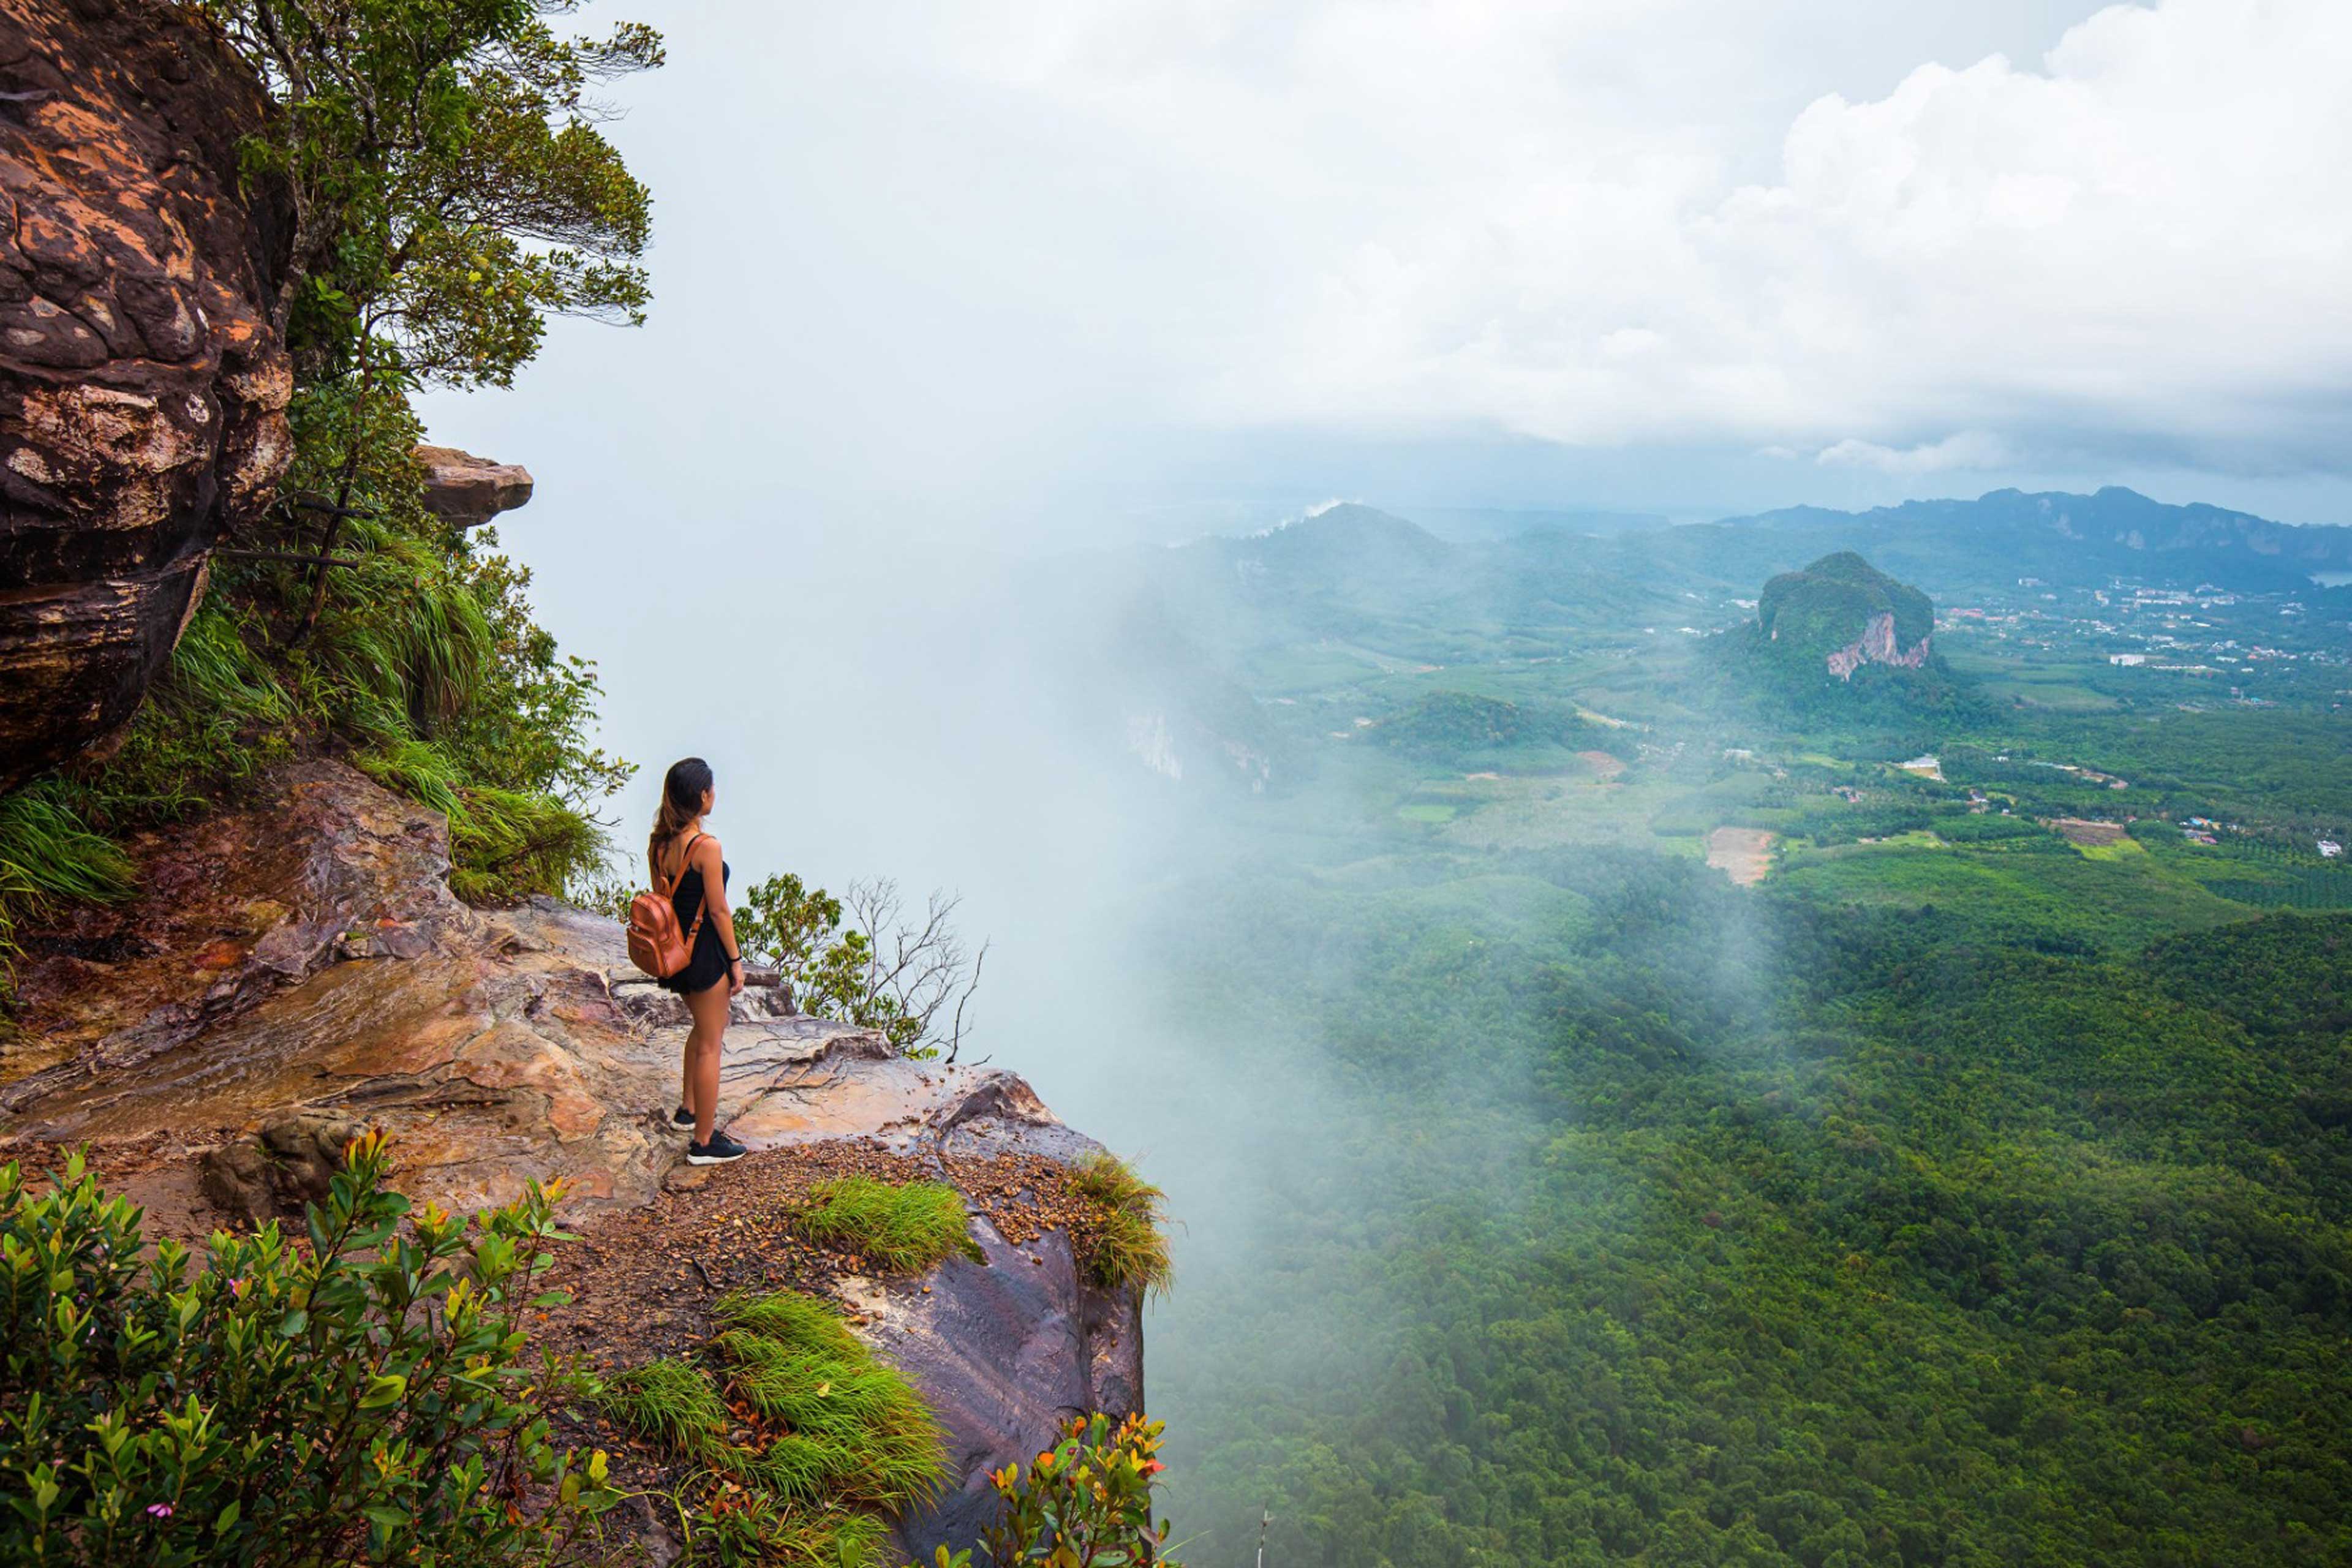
{"x":681,"y":801}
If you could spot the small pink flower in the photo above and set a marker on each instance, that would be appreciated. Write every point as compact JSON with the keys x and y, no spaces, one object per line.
{"x":159,"y":1510}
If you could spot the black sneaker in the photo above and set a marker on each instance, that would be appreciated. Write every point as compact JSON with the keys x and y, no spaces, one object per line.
{"x":718,"y":1151}
{"x":681,"y":1117}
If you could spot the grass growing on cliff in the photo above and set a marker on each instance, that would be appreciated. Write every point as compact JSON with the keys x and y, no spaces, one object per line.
{"x":905,"y":1227}
{"x":49,"y":859}
{"x":671,"y":1402}
{"x":838,"y":1439}
{"x":1126,"y":1243}
{"x":853,"y":1428}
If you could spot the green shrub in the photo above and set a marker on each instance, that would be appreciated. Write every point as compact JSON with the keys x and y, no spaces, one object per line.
{"x":1087,"y":1500}
{"x":904,"y":1226}
{"x":351,"y":1395}
{"x":1125,"y":1241}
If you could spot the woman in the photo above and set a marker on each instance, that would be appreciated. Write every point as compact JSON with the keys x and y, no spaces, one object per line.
{"x":687,"y":861}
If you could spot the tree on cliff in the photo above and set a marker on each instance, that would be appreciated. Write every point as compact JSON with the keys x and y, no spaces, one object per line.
{"x":429,"y":184}
{"x":449,"y":186}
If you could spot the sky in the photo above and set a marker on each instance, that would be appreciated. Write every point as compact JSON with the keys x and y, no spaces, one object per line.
{"x":1061,"y":271}
{"x":938,"y":284}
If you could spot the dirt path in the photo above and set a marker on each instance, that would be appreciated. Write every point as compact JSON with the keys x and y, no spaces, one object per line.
{"x":1744,"y":854}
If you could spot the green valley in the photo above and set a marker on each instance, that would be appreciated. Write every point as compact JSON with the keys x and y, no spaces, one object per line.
{"x":1903,"y":1119}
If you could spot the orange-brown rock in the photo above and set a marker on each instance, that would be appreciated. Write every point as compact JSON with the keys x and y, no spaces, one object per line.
{"x":304,"y":956}
{"x":142,"y":387}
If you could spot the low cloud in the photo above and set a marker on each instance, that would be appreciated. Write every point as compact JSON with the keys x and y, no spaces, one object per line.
{"x":1968,"y":449}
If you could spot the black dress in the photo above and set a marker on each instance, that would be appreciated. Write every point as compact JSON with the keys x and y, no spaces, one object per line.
{"x":707,"y":965}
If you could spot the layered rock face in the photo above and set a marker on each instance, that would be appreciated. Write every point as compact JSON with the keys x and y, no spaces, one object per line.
{"x":299,"y":968}
{"x":143,"y":391}
{"x":1878,"y":645}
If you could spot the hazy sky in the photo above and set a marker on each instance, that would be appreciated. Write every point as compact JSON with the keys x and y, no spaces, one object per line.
{"x":1049,"y":269}
{"x":938,"y":280}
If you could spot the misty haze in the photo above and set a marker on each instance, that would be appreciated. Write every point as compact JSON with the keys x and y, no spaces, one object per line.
{"x":1462,"y":785}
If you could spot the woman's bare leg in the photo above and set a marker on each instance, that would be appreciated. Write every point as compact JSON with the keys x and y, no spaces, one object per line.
{"x":709,"y":1006}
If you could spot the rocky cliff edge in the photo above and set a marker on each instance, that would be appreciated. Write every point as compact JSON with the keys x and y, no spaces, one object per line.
{"x":298,"y":967}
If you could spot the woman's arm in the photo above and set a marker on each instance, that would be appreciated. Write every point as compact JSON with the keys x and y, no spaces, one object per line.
{"x":706,"y":855}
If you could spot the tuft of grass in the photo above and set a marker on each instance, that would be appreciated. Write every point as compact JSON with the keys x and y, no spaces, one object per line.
{"x":855,"y":1428}
{"x":906,"y":1227}
{"x":502,"y":843}
{"x":671,"y":1403}
{"x":1126,"y":1244}
{"x":831,"y":1540}
{"x":50,"y":858}
{"x":845,"y":1438}
{"x":217,"y":712}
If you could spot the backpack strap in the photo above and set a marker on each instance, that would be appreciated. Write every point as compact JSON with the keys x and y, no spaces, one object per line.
{"x":695,"y":929}
{"x":671,"y":891}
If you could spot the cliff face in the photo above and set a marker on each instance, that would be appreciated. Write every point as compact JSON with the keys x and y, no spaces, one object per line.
{"x":298,"y":969}
{"x":143,"y":391}
{"x":1878,"y":645}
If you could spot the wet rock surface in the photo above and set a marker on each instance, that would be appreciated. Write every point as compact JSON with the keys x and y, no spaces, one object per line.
{"x":298,"y":969}
{"x":142,"y":388}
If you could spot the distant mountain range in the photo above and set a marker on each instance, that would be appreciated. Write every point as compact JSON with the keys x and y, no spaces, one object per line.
{"x":2116,"y":530}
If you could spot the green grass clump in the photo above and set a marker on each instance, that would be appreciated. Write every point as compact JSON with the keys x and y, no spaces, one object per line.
{"x":48,"y":859}
{"x":1127,"y":1245}
{"x":905,"y":1227}
{"x":846,"y":1441}
{"x":671,"y":1402}
{"x":856,"y":1428}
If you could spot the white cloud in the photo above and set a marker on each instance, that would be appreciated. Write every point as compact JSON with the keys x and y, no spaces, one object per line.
{"x":1412,"y":217}
{"x":1966,"y":449}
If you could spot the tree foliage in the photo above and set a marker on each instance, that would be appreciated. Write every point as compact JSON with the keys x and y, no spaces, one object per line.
{"x":449,"y":185}
{"x":866,"y":958}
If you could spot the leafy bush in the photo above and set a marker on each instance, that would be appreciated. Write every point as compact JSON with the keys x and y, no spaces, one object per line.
{"x":351,"y":1395}
{"x":1125,"y":1240}
{"x":909,"y":977}
{"x":837,"y":1439}
{"x":904,"y":1226}
{"x":1087,"y":1500}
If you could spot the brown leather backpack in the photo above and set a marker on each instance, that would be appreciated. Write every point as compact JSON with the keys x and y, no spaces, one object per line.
{"x":656,"y":944}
